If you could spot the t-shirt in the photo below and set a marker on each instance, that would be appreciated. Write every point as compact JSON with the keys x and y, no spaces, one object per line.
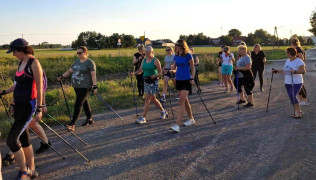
{"x":168,"y":61}
{"x":81,"y":77}
{"x":139,"y":58}
{"x":227,"y":60}
{"x":242,"y":62}
{"x":183,"y":67}
{"x":257,"y":59}
{"x":219,"y":55}
{"x":300,"y":50}
{"x":293,"y":65}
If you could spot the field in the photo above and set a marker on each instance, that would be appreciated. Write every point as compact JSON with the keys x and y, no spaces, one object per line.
{"x":112,"y":70}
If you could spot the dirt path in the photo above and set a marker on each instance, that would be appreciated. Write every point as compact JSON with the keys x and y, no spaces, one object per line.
{"x":245,"y":143}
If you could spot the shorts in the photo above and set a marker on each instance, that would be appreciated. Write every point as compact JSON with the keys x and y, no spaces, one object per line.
{"x":227,"y":69}
{"x":242,"y":82}
{"x":151,"y":88}
{"x":170,"y":75}
{"x":184,"y":85}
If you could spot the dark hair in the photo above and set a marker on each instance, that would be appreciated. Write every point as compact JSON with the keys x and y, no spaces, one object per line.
{"x":222,"y":46}
{"x":226,"y":49}
{"x":25,"y":49}
{"x":292,"y":51}
{"x":183,"y":44}
{"x":84,"y":49}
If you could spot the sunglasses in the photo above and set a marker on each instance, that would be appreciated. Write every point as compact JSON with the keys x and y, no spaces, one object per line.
{"x":167,"y":50}
{"x":178,"y":45}
{"x":79,"y":53}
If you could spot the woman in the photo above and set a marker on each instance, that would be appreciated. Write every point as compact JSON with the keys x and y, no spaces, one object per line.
{"x":227,"y":67}
{"x":83,"y":80}
{"x":137,"y":61}
{"x":151,"y":68}
{"x":219,"y":64}
{"x":295,"y":42}
{"x":185,"y":71}
{"x":196,"y":66}
{"x":258,"y":60}
{"x":166,"y":71}
{"x":245,"y":77}
{"x":293,"y":69}
{"x":28,"y":96}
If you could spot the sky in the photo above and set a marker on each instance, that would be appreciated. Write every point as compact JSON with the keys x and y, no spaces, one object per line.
{"x":61,"y":21}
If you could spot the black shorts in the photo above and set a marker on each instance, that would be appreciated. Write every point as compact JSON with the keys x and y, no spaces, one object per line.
{"x":184,"y":85}
{"x":169,"y":75}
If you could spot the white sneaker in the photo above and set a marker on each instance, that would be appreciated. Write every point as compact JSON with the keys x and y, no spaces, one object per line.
{"x":178,"y":97}
{"x":175,"y":128}
{"x":304,"y":103}
{"x":141,"y":120}
{"x":164,"y":114}
{"x":189,"y":122}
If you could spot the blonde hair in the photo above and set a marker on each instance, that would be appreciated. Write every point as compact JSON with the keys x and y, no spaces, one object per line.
{"x":184,"y":46}
{"x":140,"y":47}
{"x":256,"y":45}
{"x":242,"y":47}
{"x":170,"y":48}
{"x":296,"y":42}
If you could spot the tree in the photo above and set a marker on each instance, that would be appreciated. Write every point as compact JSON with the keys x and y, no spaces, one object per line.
{"x":234,"y":32}
{"x":309,"y":41}
{"x":226,"y":40}
{"x":263,"y":35}
{"x":313,"y":23}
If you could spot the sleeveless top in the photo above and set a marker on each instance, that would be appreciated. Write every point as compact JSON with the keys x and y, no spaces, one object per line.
{"x":149,"y":68}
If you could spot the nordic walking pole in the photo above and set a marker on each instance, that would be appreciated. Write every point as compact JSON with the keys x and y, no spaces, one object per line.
{"x":270,"y":91}
{"x":237,"y":88}
{"x":198,"y":92}
{"x":110,"y":107}
{"x":293,"y":91}
{"x":65,"y":141}
{"x":170,"y":100}
{"x":134,"y":96}
{"x":66,"y":101}
{"x":67,"y":129}
{"x":6,"y":111}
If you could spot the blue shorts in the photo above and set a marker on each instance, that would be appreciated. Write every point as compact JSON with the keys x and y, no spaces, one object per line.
{"x":227,"y":69}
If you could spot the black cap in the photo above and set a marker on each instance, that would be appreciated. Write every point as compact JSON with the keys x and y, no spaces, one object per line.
{"x":18,"y":43}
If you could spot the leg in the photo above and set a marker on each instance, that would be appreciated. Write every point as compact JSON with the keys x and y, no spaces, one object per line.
{"x":80,"y":98}
{"x":183,"y":97}
{"x":220,"y":75}
{"x":147,"y":103}
{"x":38,"y":129}
{"x":230,"y":82}
{"x":254,"y":70}
{"x":165,"y":82}
{"x":188,"y":108}
{"x":260,"y":73}
{"x":139,"y":84}
{"x":156,"y":102}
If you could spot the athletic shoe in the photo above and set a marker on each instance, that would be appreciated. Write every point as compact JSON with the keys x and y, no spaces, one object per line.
{"x":88,"y":122}
{"x":8,"y":160}
{"x":32,"y":174}
{"x":164,"y":114}
{"x":163,"y":99}
{"x":189,"y":122}
{"x":241,"y":102}
{"x":71,"y":126}
{"x":178,"y":97}
{"x":44,"y":147}
{"x":140,"y":120}
{"x":175,"y":128}
{"x":249,"y":105}
{"x":304,"y":103}
{"x":23,"y":175}
{"x":261,"y":90}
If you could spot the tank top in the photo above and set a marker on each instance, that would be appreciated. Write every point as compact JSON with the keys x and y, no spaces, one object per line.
{"x":149,"y":68}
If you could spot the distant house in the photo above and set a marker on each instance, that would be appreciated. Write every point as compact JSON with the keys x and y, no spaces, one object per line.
{"x":238,"y":39}
{"x":162,"y":43}
{"x":147,"y":42}
{"x":216,"y":41}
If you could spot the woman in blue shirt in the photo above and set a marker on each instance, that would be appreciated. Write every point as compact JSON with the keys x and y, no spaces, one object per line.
{"x":184,"y":68}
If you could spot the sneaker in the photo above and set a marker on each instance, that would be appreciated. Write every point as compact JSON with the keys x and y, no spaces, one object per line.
{"x":44,"y":147}
{"x":178,"y":97}
{"x":8,"y":160}
{"x":175,"y":128}
{"x":32,"y":174}
{"x":241,"y":102}
{"x":88,"y":122}
{"x":249,"y":105}
{"x":261,"y":90}
{"x":71,"y":126}
{"x":189,"y":122}
{"x":23,"y":175}
{"x":140,"y":120}
{"x":163,"y":99}
{"x":304,"y":103}
{"x":164,"y":114}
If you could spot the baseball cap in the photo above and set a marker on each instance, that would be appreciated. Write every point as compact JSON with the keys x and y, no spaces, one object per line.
{"x":18,"y":43}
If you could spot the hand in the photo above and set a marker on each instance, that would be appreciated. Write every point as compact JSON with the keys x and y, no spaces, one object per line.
{"x":293,"y":71}
{"x":131,"y":74}
{"x":59,"y":78}
{"x":44,"y":110}
{"x":274,"y":70}
{"x":192,"y":81}
{"x":38,"y":117}
{"x":95,"y":91}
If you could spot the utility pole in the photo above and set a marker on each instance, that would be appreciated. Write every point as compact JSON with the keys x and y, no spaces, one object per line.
{"x":276,"y":37}
{"x":22,"y":36}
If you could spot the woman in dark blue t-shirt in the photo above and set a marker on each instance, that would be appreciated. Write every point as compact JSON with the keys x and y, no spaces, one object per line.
{"x":184,"y":68}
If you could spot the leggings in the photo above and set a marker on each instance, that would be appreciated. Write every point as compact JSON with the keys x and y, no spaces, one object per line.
{"x":260,"y":70}
{"x":140,"y":84}
{"x":243,"y":82}
{"x":303,"y":92}
{"x":19,"y":130}
{"x":290,"y":93}
{"x":81,"y":100}
{"x":196,"y":78}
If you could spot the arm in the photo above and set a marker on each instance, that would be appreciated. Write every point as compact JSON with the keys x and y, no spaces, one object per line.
{"x":38,"y":77}
{"x":197,"y":60}
{"x":134,"y":60}
{"x":139,"y":71}
{"x":158,"y":66}
{"x":300,"y":55}
{"x":301,"y":70}
{"x":66,"y":74}
{"x":8,"y":91}
{"x":246,"y":68}
{"x":44,"y":109}
{"x":173,"y":67}
{"x":192,"y":70}
{"x":94,"y":81}
{"x":264,"y":60}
